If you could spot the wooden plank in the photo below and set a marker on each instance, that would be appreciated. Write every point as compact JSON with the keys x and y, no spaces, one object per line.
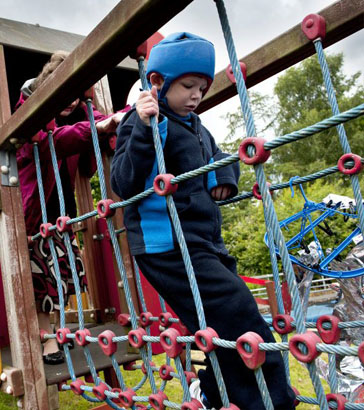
{"x":129,"y":24}
{"x":12,"y":381}
{"x":343,"y":18}
{"x":18,"y":286}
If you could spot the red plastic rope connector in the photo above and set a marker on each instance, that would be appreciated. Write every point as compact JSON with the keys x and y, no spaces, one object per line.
{"x":339,"y":399}
{"x":103,"y":208}
{"x":168,"y":340}
{"x":144,"y":369}
{"x":165,"y":372}
{"x":140,"y":52}
{"x":80,"y":337}
{"x":136,"y":337}
{"x":194,"y":404}
{"x":164,"y":319}
{"x":126,"y":397}
{"x":61,"y":224}
{"x":124,"y":319}
{"x":156,"y":400}
{"x":116,"y":390}
{"x":61,"y":335}
{"x":203,"y":339}
{"x":255,"y":357}
{"x":129,"y":365}
{"x":189,"y":376}
{"x":106,"y":343}
{"x":44,"y":230}
{"x":260,"y":156}
{"x":361,"y":353}
{"x":256,"y":191}
{"x":314,"y":26}
{"x":99,"y":391}
{"x":51,"y":126}
{"x":332,"y":335}
{"x":162,"y":185}
{"x":284,"y":328}
{"x":350,"y":157}
{"x":230,"y":74}
{"x":76,"y":386}
{"x":145,"y":319}
{"x":309,"y":340}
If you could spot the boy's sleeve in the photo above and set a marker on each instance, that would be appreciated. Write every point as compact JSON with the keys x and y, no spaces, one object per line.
{"x":134,"y":156}
{"x":223,"y":176}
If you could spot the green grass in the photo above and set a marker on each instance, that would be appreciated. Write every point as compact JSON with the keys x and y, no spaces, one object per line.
{"x":68,"y":401}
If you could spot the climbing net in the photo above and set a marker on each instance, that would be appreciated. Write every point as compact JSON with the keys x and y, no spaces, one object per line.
{"x":305,"y":345}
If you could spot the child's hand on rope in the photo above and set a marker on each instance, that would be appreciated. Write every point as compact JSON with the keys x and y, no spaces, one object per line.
{"x":109,"y":125}
{"x":147,"y":105}
{"x":221,"y":192}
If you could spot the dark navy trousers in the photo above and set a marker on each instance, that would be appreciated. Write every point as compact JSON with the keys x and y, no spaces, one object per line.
{"x":231,"y":310}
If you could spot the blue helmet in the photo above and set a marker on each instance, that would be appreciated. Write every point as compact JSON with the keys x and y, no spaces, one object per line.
{"x":181,"y":54}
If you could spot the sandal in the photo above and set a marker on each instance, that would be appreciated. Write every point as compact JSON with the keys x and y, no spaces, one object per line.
{"x":53,"y":358}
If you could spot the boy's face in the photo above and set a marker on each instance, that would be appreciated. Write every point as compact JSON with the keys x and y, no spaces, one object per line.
{"x":185,"y":93}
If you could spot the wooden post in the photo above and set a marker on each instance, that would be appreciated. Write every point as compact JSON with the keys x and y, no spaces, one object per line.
{"x":17,"y":280}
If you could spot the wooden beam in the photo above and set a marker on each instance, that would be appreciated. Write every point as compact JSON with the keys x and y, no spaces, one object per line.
{"x":17,"y":280}
{"x":343,"y":18}
{"x":129,"y":24}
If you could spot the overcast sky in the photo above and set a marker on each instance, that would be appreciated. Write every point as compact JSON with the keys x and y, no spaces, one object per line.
{"x":253,"y":23}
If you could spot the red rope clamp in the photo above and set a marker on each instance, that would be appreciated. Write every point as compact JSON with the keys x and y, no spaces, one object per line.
{"x":329,"y":336}
{"x":260,"y":156}
{"x":255,"y":357}
{"x":230,"y":74}
{"x":339,"y":399}
{"x":44,"y":230}
{"x":164,"y":319}
{"x":89,"y":94}
{"x":42,"y":333}
{"x":189,"y":376}
{"x":361,"y":353}
{"x":297,"y":393}
{"x":309,"y":340}
{"x":103,"y":208}
{"x":194,"y":404}
{"x":156,"y":400}
{"x":61,"y":335}
{"x":162,"y":185}
{"x":106,"y":343}
{"x":145,"y":319}
{"x":203,"y":339}
{"x":129,"y":366}
{"x":80,"y":337}
{"x":116,"y":390}
{"x":136,"y":337}
{"x":124,"y":319}
{"x":314,"y":26}
{"x":144,"y":369}
{"x":256,"y":191}
{"x":61,"y":224}
{"x":168,"y":340}
{"x":99,"y":391}
{"x":126,"y":397}
{"x":76,"y":387}
{"x":140,"y":52}
{"x":284,"y":328}
{"x":165,"y":372}
{"x":51,"y":126}
{"x":350,"y":157}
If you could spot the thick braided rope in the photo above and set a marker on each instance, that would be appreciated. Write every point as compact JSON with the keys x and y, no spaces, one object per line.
{"x":267,"y":201}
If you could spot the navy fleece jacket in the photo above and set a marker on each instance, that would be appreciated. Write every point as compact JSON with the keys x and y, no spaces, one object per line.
{"x":134,"y":168}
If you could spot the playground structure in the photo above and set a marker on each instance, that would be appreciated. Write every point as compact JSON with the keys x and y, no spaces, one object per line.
{"x":95,"y":56}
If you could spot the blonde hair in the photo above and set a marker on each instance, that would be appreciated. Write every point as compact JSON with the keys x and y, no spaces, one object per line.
{"x":56,"y":59}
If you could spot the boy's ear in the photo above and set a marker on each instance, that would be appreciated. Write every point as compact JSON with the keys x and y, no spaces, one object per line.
{"x":157,"y":80}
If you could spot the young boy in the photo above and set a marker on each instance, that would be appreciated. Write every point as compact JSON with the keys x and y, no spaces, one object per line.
{"x":180,"y":71}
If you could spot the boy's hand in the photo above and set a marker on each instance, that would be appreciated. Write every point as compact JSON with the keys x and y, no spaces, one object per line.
{"x":147,"y":105}
{"x":109,"y":125}
{"x":221,"y":192}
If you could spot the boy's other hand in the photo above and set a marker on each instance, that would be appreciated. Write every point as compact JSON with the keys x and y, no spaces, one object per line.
{"x":221,"y":192}
{"x":109,"y":124}
{"x":147,"y":105}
